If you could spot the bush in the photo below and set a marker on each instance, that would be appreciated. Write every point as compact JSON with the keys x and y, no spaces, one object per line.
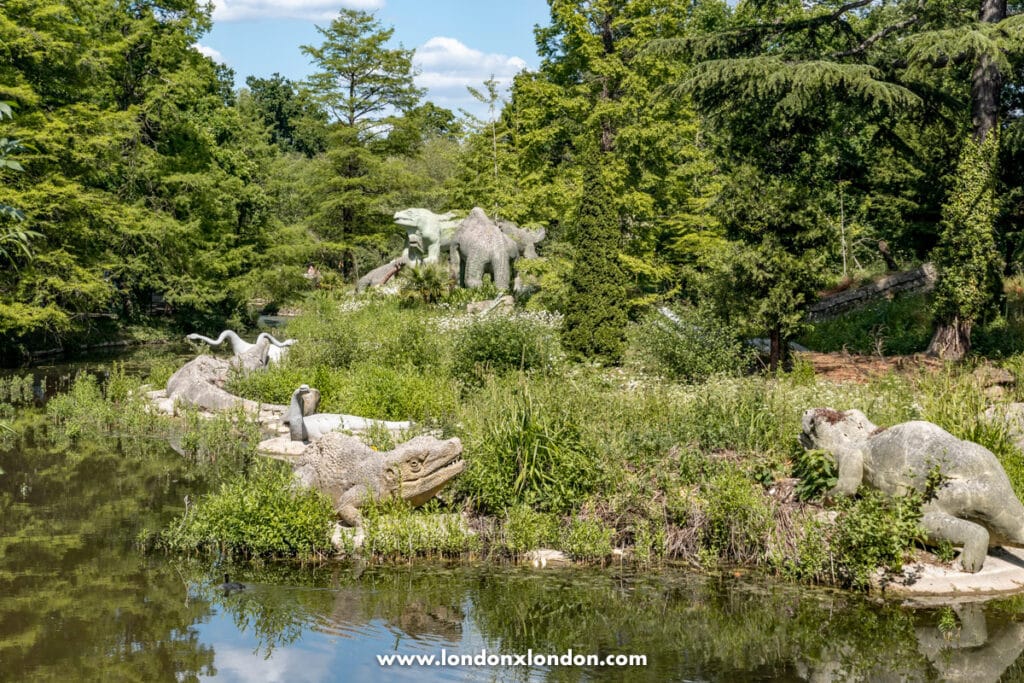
{"x":688,"y":345}
{"x":500,"y":345}
{"x":874,"y":531}
{"x":263,"y":515}
{"x":526,"y":529}
{"x":587,"y":539}
{"x":817,"y":473}
{"x":737,"y":516}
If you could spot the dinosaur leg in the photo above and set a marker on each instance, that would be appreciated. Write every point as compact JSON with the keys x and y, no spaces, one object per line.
{"x":973,"y":537}
{"x":850,"y":464}
{"x":347,"y":505}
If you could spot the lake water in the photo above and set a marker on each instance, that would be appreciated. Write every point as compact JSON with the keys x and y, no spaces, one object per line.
{"x":79,"y":600}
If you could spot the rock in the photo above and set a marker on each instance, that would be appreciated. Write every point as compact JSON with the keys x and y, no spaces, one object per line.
{"x":989,"y":376}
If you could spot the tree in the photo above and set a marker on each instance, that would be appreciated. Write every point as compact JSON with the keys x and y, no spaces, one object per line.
{"x":360,"y":80}
{"x":595,"y":317}
{"x":892,"y":69}
{"x":296,"y":123}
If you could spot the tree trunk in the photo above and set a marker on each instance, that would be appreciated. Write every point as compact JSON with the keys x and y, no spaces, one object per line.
{"x":952,"y":340}
{"x":775,"y":351}
{"x":986,"y":81}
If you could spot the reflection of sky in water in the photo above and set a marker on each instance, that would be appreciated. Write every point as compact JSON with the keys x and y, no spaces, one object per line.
{"x":347,"y":653}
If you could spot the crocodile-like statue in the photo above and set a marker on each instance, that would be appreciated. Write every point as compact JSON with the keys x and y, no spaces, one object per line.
{"x":305,"y":424}
{"x":200,"y":383}
{"x":353,"y":474}
{"x":249,"y":353}
{"x":974,"y":505}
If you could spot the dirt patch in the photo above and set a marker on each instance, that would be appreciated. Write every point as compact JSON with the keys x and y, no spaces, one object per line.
{"x":848,"y":367}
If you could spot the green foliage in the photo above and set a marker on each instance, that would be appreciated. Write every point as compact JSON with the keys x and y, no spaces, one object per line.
{"x":968,"y":261}
{"x":587,"y":539}
{"x":527,"y":448}
{"x":899,"y":326}
{"x":526,"y":529}
{"x":872,"y":531}
{"x":394,"y":530}
{"x":499,"y":345}
{"x":737,"y":516}
{"x":262,"y":515}
{"x":817,"y":473}
{"x":425,"y":284}
{"x":594,"y":325}
{"x":689,"y":345}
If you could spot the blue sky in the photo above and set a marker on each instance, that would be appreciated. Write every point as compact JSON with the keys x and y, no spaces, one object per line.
{"x":457,"y":42}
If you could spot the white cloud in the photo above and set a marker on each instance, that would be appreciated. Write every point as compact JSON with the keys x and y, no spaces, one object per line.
{"x":447,"y":66}
{"x":208,"y":51}
{"x":315,"y":10}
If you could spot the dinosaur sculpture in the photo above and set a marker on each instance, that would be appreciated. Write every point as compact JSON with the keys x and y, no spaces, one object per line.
{"x":973,"y":507}
{"x":479,"y":246}
{"x":526,"y":240}
{"x":276,"y":350}
{"x":305,"y":424}
{"x":427,"y":233}
{"x":200,"y":383}
{"x":352,"y":473}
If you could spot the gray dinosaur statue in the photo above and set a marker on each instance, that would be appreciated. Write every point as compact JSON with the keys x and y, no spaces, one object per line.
{"x":275,"y":350}
{"x":973,"y":507}
{"x":526,"y":240}
{"x":353,"y":474}
{"x":200,"y":383}
{"x":479,"y":246}
{"x":305,"y":424}
{"x":427,"y":233}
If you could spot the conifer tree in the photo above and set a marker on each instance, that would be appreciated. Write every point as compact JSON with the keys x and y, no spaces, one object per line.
{"x":595,"y":318}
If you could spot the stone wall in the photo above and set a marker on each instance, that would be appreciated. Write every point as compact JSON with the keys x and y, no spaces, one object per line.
{"x":918,"y":280}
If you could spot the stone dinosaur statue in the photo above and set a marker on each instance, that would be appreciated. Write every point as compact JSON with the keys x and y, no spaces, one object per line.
{"x":526,"y":240}
{"x":974,"y":506}
{"x":200,"y":383}
{"x":427,"y":234}
{"x":305,"y":424}
{"x":479,"y":246}
{"x":352,"y":473}
{"x":275,"y":350}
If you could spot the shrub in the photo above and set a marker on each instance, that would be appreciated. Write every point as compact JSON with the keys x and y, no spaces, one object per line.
{"x":499,"y":345}
{"x":526,"y":529}
{"x":874,"y":531}
{"x":394,"y":530}
{"x":688,"y":345}
{"x":587,"y":539}
{"x":263,"y":515}
{"x":816,"y":471}
{"x":737,"y":516}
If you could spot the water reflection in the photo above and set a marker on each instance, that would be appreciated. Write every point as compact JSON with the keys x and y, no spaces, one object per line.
{"x":79,"y":601}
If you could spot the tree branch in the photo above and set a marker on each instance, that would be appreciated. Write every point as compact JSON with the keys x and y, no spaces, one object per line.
{"x":872,"y":39}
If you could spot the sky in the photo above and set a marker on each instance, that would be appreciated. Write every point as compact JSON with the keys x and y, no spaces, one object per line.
{"x":457,"y":42}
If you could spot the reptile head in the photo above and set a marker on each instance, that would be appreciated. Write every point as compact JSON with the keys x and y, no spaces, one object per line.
{"x":411,"y":218}
{"x":826,"y":428}
{"x":418,"y":469}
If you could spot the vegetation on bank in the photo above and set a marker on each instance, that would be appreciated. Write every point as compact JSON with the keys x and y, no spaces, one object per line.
{"x":576,"y":457}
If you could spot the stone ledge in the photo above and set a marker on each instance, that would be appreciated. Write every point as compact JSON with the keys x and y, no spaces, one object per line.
{"x":1002,"y":574}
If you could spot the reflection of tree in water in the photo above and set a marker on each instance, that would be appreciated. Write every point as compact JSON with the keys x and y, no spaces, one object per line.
{"x":77,"y":602}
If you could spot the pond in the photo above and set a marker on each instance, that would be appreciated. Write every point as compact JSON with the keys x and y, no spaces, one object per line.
{"x":80,"y":600}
